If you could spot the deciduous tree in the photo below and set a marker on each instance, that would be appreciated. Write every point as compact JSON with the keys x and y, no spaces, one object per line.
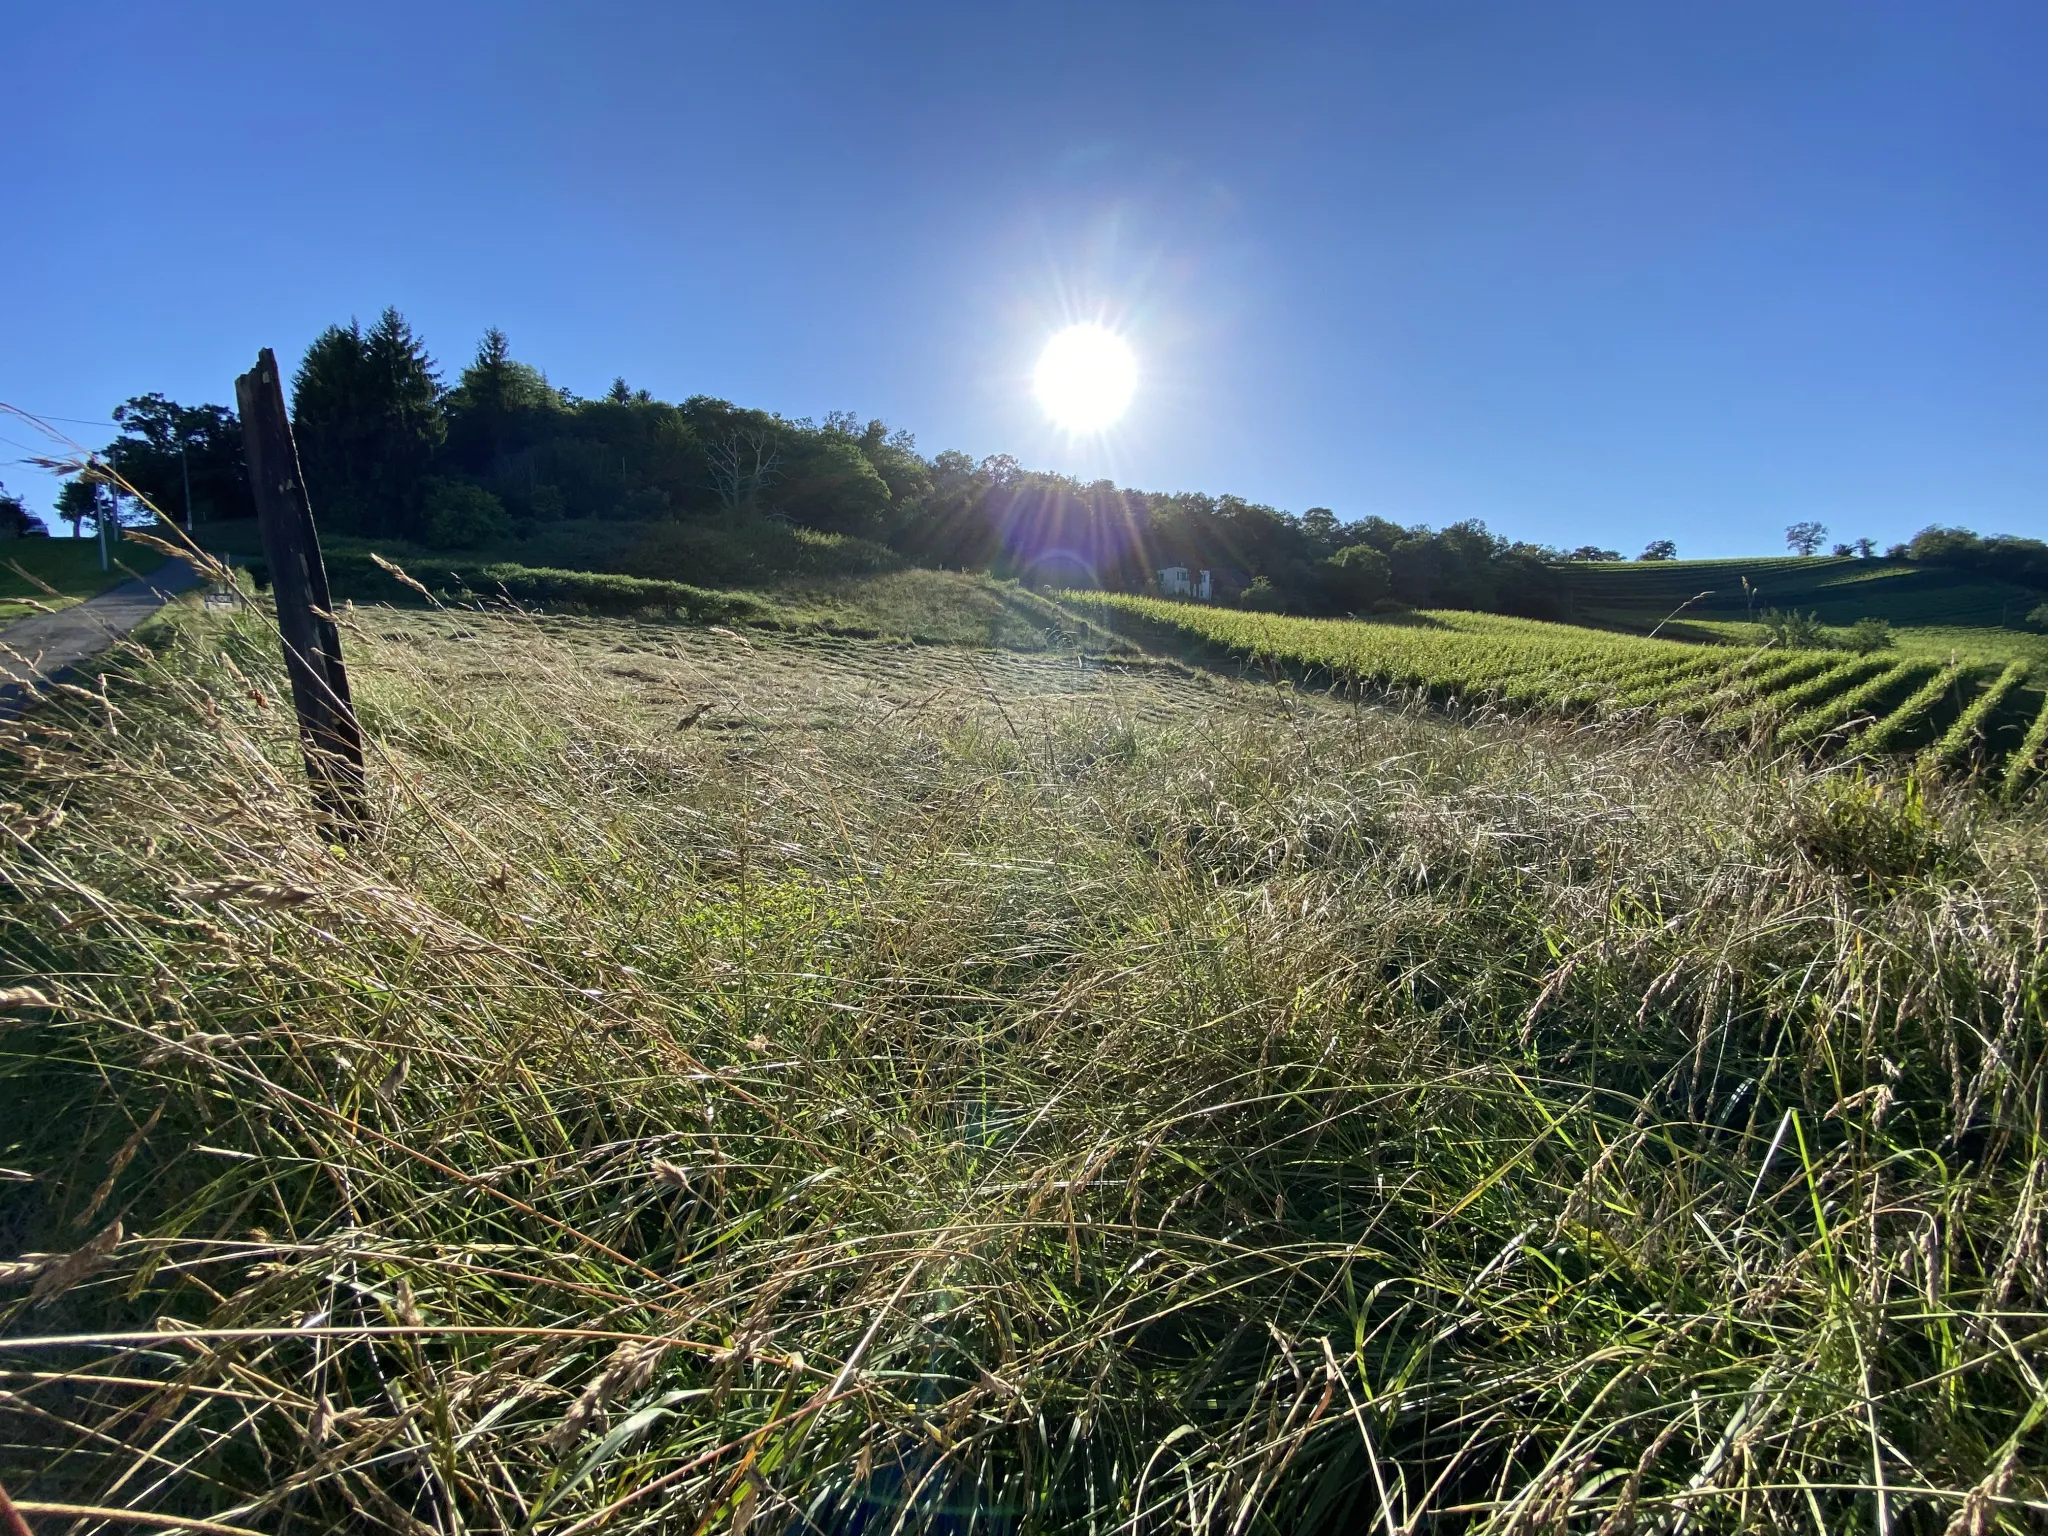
{"x":1805,"y":538}
{"x":165,"y":447}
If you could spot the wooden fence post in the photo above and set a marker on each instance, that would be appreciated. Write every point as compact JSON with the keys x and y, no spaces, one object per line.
{"x":328,"y":731}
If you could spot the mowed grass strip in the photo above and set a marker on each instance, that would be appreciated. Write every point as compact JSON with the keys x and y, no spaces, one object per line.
{"x":814,"y":1085}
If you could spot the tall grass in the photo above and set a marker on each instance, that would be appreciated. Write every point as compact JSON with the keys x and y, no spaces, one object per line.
{"x":765,"y":1084}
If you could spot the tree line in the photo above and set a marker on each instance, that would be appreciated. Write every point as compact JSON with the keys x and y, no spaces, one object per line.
{"x":390,"y":449}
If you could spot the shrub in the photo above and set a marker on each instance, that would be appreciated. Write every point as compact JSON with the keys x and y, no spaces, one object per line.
{"x":458,"y":515}
{"x":1876,"y":833}
{"x":1867,"y":635}
{"x":1795,"y":631}
{"x":1262,"y":597}
{"x":600,"y":593}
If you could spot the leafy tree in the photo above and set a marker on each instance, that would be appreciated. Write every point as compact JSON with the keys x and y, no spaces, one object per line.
{"x":367,"y":412}
{"x":1865,"y":548}
{"x":16,"y":521}
{"x":87,"y":499}
{"x":77,"y":501}
{"x":895,"y":458}
{"x":1997,"y":557}
{"x":1841,"y":550}
{"x":2038,"y":617}
{"x":1412,"y":567}
{"x":1659,"y":549}
{"x":1357,"y":578}
{"x":1805,"y":538}
{"x":1376,"y":531}
{"x":1590,"y":552}
{"x":165,"y":446}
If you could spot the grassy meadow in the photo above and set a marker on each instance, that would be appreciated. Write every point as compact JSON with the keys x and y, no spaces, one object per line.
{"x":753,"y":1080}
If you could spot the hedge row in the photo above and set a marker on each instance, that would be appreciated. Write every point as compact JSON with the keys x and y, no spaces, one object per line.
{"x":356,"y":576}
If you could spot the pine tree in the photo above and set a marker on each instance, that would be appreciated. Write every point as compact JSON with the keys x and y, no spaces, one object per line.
{"x":367,"y":412}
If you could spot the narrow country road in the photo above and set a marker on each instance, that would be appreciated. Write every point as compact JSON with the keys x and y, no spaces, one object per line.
{"x":44,"y":646}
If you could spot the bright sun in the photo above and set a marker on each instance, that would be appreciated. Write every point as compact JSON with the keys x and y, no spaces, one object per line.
{"x":1085,"y":377}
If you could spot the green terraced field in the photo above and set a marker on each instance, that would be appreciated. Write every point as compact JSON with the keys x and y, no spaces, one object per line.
{"x":1637,"y":595}
{"x":1959,"y":714}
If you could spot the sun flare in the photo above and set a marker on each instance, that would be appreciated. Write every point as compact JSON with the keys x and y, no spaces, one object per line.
{"x":1085,"y":378}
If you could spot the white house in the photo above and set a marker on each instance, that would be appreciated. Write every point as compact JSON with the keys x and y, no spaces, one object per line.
{"x":1175,"y":581}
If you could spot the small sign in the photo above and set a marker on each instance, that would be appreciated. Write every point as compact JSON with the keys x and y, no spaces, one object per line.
{"x":220,"y":602}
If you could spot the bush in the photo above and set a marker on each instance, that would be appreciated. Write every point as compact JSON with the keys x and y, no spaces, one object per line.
{"x":355,"y":576}
{"x":1867,"y":635}
{"x":1262,"y":597}
{"x":1879,"y":835}
{"x":600,"y":593}
{"x":459,"y":515}
{"x":1795,"y":631}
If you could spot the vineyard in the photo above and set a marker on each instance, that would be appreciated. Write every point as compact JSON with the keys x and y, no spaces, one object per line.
{"x":1956,"y":716}
{"x":1638,"y":595}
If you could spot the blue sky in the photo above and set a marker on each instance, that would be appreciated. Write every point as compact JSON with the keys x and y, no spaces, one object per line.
{"x":1591,"y":272}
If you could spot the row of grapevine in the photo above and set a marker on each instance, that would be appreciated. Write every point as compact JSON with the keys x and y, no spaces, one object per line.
{"x":1970,"y":728}
{"x":2021,"y":771}
{"x":1800,"y":698}
{"x":1891,"y":732}
{"x":1813,"y":701}
{"x":1847,"y":707}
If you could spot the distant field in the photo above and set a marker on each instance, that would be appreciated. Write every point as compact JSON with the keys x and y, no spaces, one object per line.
{"x":1959,"y":714}
{"x":1641,"y":594}
{"x":1983,"y":645}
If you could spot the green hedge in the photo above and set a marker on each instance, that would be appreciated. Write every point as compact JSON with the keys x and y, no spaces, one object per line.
{"x":356,"y":576}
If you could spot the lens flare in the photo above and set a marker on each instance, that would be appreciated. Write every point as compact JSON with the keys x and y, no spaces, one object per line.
{"x":1085,"y":378}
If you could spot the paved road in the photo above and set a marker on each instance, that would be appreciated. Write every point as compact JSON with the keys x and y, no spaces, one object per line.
{"x":44,"y":646}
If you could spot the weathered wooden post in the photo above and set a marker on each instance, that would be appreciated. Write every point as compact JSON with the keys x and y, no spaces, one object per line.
{"x":328,"y":731}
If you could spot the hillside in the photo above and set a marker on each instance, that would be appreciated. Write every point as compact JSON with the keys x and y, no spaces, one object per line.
{"x":1639,"y":595}
{"x":40,"y":574}
{"x":752,"y":1077}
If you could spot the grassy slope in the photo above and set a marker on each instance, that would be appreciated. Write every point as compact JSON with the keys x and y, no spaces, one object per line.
{"x":767,"y":574}
{"x":72,"y":566}
{"x":939,"y":1081}
{"x":1841,"y":590}
{"x":1982,"y":617}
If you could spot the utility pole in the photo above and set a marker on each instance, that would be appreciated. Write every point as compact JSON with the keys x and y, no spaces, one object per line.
{"x":100,"y":517}
{"x":185,"y":465}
